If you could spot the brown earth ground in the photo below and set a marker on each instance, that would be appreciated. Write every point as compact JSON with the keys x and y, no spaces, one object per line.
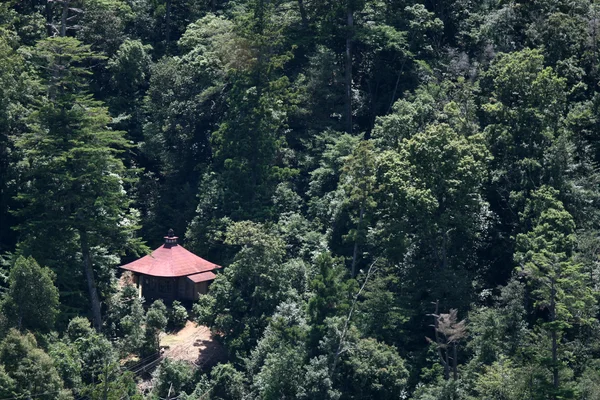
{"x":193,"y":343}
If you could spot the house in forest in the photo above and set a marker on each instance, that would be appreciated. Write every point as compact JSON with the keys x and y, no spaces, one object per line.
{"x":172,"y":273}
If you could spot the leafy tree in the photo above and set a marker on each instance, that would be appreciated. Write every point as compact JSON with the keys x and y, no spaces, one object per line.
{"x":15,"y":86}
{"x":172,"y":377}
{"x":185,"y":101}
{"x":68,"y":362}
{"x":114,"y":385}
{"x":156,"y":322}
{"x":501,"y":380}
{"x":246,"y":294}
{"x":101,"y":24}
{"x":31,"y":300}
{"x":499,"y":331}
{"x":126,"y":319}
{"x":227,"y":383}
{"x":326,"y":198}
{"x":375,"y":370}
{"x":588,"y":384}
{"x":79,"y":327}
{"x":278,"y":358}
{"x":525,"y":121}
{"x":433,"y":215}
{"x":28,"y":370}
{"x":94,"y":351}
{"x":178,"y":315}
{"x":318,"y":383}
{"x":250,"y":138}
{"x":129,"y":72}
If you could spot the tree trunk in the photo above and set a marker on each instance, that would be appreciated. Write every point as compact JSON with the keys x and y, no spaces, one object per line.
{"x":438,"y":342}
{"x":447,"y":364}
{"x":106,"y":380}
{"x":49,"y":19}
{"x":168,"y":23}
{"x":303,"y":16}
{"x":554,"y":362}
{"x":454,"y":361}
{"x":91,"y":283}
{"x":445,"y":251}
{"x":63,"y":18}
{"x":349,"y":35}
{"x":341,"y":344}
{"x":555,"y":381}
{"x":20,"y":318}
{"x":358,"y":228}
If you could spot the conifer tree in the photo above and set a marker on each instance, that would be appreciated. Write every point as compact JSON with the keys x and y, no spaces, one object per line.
{"x":32,"y":298}
{"x":360,"y":184}
{"x":75,"y":181}
{"x":558,"y":286}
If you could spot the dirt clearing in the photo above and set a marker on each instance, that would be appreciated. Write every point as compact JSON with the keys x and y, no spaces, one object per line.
{"x":193,"y":343}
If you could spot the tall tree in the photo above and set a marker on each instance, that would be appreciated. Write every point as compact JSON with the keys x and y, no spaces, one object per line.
{"x":15,"y":86}
{"x":558,"y":286}
{"x":359,"y":183}
{"x":75,"y":181}
{"x":431,"y":208}
{"x":524,"y":118}
{"x":249,"y":140}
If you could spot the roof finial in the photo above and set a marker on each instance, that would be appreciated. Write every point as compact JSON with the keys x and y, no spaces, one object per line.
{"x":170,"y":239}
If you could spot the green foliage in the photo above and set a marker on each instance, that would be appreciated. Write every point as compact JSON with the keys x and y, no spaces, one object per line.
{"x":375,"y":370}
{"x":172,"y":377}
{"x":126,"y":319}
{"x":278,"y":358}
{"x":26,"y":369}
{"x":95,"y":352}
{"x":473,"y":148}
{"x":527,"y":106}
{"x":130,"y":66}
{"x":433,"y":219}
{"x":79,"y":328}
{"x":15,"y":85}
{"x":331,"y":296}
{"x":557,"y":283}
{"x":545,"y":257}
{"x":156,"y":322}
{"x":500,"y":331}
{"x":179,"y":315}
{"x":226,"y":383}
{"x":31,"y":301}
{"x":114,"y":385}
{"x":75,"y":180}
{"x":246,"y":294}
{"x":359,"y":182}
{"x":68,"y":362}
{"x":318,"y":384}
{"x":89,"y":154}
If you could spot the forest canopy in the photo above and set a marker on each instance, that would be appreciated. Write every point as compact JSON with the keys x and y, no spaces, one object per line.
{"x":404,"y":196}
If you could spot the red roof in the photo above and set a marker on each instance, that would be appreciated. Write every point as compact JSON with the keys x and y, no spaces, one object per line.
{"x":202,"y":277}
{"x":170,"y":260}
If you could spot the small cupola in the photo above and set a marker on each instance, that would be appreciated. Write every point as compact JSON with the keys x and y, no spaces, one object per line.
{"x":170,"y":239}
